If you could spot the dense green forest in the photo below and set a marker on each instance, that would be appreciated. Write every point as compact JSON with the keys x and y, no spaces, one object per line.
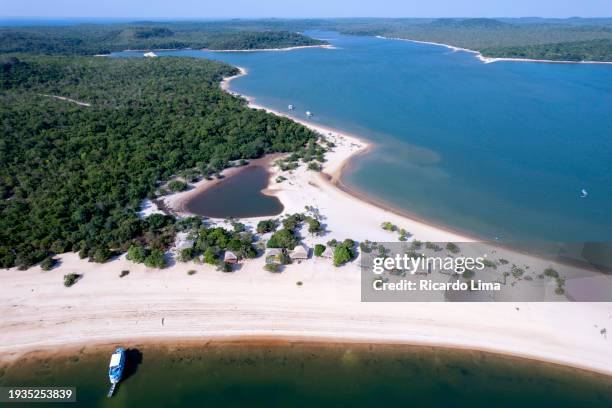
{"x":73,"y":176}
{"x":91,"y":39}
{"x":554,"y":39}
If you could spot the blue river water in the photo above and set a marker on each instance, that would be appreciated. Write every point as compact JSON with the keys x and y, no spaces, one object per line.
{"x":501,"y":151}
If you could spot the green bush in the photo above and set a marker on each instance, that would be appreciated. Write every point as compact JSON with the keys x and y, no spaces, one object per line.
{"x":272,"y":267}
{"x":319,"y":249}
{"x":71,"y":278}
{"x":177,"y":186}
{"x":210,"y":256}
{"x":137,"y":253}
{"x":453,"y":248}
{"x":155,"y":259}
{"x":264,"y":226}
{"x":48,"y":263}
{"x":186,"y":254}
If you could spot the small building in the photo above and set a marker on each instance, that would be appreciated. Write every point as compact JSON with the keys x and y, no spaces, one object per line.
{"x":230,"y":257}
{"x":299,"y":253}
{"x":273,"y":255}
{"x":328,"y":253}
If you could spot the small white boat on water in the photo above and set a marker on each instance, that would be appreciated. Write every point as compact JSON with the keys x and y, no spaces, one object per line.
{"x":291,"y":107}
{"x":150,"y":54}
{"x":583,"y":193}
{"x":309,"y":114}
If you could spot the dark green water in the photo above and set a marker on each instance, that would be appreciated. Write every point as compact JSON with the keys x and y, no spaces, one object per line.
{"x":237,"y":196}
{"x":307,"y":375}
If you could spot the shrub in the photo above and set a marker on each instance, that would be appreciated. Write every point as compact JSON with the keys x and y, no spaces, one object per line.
{"x":71,"y":278}
{"x":176,"y":186}
{"x":191,"y":272}
{"x":225,"y":266}
{"x":280,"y":179}
{"x":314,"y":166}
{"x":210,"y":256}
{"x":124,"y":273}
{"x":264,"y":226}
{"x":453,"y":248}
{"x":551,"y":273}
{"x":489,"y":264}
{"x":403,"y":235}
{"x":319,"y":249}
{"x":48,"y":263}
{"x":272,"y":267}
{"x":137,"y":253}
{"x":155,"y":259}
{"x":101,"y":255}
{"x":284,"y":258}
{"x":388,"y":226}
{"x":186,"y":254}
{"x":503,"y":261}
{"x":314,"y":226}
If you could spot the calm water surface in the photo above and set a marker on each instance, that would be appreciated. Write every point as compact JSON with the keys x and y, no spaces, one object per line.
{"x":499,"y":150}
{"x":237,"y":196}
{"x":303,"y":375}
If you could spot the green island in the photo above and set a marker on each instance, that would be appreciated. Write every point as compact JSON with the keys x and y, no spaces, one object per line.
{"x":74,"y":171}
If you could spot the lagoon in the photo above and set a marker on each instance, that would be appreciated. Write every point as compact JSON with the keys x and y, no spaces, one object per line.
{"x":238,"y":196}
{"x":500,"y":151}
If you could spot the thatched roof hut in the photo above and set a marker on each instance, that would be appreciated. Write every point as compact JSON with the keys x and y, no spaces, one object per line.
{"x":230,"y":257}
{"x":299,"y":252}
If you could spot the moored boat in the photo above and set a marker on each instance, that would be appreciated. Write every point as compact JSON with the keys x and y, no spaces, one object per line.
{"x":115,"y":369}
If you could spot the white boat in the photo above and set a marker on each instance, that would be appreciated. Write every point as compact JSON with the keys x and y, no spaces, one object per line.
{"x":309,"y":114}
{"x":291,"y":107}
{"x":115,"y":369}
{"x":583,"y":193}
{"x":150,"y":54}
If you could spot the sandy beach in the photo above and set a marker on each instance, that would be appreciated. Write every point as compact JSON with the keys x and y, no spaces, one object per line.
{"x":307,"y":300}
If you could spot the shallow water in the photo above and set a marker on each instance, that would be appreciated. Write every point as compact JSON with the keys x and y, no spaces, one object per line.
{"x":237,"y":196}
{"x":498,"y":150}
{"x":310,"y":375}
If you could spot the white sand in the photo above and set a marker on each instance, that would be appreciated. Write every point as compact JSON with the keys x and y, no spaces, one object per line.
{"x":38,"y":312}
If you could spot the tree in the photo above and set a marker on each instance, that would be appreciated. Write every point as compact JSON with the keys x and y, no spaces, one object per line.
{"x":319,"y":249}
{"x":283,"y":238}
{"x":344,"y":252}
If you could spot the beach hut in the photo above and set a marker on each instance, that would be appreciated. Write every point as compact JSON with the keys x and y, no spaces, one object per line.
{"x":273,"y":255}
{"x":299,"y":253}
{"x":230,"y":257}
{"x":328,"y":253}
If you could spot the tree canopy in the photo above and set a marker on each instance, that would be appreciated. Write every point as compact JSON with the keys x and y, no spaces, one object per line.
{"x":73,"y":176}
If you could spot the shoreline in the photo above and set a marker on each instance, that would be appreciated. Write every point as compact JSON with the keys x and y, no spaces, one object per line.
{"x":265,"y":340}
{"x":490,"y":60}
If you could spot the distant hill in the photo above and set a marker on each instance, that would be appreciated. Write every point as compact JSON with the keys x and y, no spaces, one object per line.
{"x":487,"y":23}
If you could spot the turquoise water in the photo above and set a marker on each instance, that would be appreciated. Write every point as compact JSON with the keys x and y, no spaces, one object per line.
{"x":499,"y":150}
{"x":307,"y":375}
